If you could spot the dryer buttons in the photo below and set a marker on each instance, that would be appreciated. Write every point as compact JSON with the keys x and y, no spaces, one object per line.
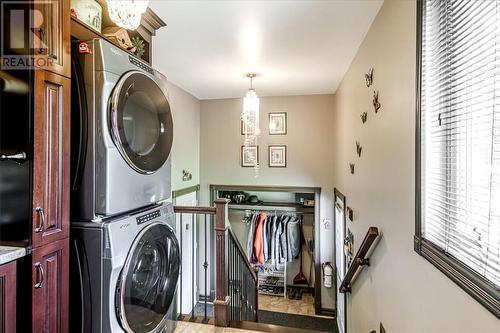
{"x":148,"y":217}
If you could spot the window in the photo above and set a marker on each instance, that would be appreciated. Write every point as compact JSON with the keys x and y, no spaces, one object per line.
{"x":458,"y":143}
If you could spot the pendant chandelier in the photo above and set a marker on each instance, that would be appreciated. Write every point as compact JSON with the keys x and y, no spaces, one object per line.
{"x":250,"y":121}
{"x":127,"y":13}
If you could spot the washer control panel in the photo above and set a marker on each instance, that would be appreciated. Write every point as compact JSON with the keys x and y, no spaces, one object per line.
{"x":148,"y":217}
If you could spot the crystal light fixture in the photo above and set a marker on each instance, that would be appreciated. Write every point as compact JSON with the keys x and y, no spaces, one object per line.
{"x":250,"y":120}
{"x":127,"y":13}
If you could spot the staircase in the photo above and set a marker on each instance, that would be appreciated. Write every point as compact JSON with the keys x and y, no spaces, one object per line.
{"x":235,"y":279}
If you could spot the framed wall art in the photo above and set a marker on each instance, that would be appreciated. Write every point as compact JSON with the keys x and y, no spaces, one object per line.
{"x":249,"y":156}
{"x":246,"y":129}
{"x":277,"y":123}
{"x":277,"y":156}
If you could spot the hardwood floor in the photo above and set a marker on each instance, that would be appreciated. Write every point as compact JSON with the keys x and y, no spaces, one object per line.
{"x":304,"y":306}
{"x":188,"y":327}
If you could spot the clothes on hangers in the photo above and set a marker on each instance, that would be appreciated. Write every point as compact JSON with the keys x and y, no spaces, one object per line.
{"x":274,"y":239}
{"x":258,"y":242}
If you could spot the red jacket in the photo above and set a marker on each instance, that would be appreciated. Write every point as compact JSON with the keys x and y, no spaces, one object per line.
{"x":258,"y":241}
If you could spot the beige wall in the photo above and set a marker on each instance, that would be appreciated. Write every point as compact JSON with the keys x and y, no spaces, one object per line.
{"x":399,"y":288}
{"x":186,"y":146}
{"x":309,"y":152}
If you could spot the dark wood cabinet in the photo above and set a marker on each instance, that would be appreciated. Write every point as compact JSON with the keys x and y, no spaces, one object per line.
{"x":51,"y":158}
{"x":8,"y":297}
{"x":52,"y":42}
{"x":50,"y":288}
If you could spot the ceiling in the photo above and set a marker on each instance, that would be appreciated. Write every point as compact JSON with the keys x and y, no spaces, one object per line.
{"x":295,"y":47}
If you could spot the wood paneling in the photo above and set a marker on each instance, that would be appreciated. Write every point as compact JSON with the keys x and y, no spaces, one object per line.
{"x":8,"y":298}
{"x":51,"y":158}
{"x":50,"y":288}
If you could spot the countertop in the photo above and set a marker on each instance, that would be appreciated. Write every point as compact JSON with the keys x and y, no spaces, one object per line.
{"x":10,"y":253}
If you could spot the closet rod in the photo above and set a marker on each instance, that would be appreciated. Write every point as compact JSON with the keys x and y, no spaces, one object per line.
{"x":273,"y":210}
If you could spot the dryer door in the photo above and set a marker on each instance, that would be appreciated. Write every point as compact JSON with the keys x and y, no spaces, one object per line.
{"x":147,"y":284}
{"x":141,"y":122}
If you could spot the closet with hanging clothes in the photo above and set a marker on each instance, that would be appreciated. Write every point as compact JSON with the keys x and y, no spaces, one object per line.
{"x":277,"y":228}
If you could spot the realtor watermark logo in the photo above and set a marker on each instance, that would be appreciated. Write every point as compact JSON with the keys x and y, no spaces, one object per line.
{"x":23,"y":40}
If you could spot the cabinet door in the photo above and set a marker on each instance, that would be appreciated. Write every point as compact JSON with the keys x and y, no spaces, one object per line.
{"x":8,"y":298}
{"x":52,"y":44}
{"x":50,"y":287}
{"x":51,"y":158}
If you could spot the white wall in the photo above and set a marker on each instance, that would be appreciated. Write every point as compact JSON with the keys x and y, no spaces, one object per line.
{"x":400,"y":288}
{"x":309,"y":152}
{"x":186,"y":146}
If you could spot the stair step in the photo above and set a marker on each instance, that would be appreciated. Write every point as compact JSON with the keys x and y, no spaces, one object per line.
{"x":250,"y":325}
{"x":195,"y":319}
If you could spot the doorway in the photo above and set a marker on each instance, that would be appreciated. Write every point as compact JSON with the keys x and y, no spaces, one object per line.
{"x":340,"y":258}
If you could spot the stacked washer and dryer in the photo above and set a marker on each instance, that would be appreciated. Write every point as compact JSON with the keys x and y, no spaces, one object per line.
{"x":125,"y":256}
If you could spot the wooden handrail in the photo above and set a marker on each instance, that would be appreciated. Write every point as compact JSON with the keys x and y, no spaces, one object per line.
{"x":195,"y":210}
{"x":360,"y":259}
{"x":240,"y":248}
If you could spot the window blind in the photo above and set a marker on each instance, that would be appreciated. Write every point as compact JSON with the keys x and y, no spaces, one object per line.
{"x":460,"y":132}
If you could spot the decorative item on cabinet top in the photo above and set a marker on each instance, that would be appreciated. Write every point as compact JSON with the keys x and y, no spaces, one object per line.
{"x":89,"y":12}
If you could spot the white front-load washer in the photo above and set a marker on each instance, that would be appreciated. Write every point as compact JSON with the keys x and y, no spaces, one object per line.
{"x":122,"y":132}
{"x":124,"y":273}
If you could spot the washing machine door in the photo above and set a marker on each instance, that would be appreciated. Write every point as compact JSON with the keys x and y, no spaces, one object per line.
{"x":146,"y":287}
{"x":141,"y":122}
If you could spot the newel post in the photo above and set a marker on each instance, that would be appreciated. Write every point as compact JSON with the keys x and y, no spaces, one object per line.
{"x":222,"y":299}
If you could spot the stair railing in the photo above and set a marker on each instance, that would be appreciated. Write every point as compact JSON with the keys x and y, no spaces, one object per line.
{"x":360,"y":260}
{"x":242,"y":283}
{"x":235,"y":278}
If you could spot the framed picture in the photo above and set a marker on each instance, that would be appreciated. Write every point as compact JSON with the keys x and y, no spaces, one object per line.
{"x":246,"y":129}
{"x":249,"y":156}
{"x":277,"y":123}
{"x":277,"y":156}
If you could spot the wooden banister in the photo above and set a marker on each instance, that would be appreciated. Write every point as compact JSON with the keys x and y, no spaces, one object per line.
{"x":194,"y":210}
{"x":222,"y":299}
{"x":360,"y":259}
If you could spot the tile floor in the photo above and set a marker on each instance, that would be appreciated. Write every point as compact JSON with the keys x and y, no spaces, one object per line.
{"x":304,"y":306}
{"x":185,"y":327}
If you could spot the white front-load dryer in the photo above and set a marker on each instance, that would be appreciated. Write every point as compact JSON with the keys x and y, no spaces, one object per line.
{"x":122,"y":132}
{"x":124,"y":273}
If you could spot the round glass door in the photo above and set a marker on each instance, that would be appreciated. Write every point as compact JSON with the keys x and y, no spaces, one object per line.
{"x":146,"y":288}
{"x":141,"y":122}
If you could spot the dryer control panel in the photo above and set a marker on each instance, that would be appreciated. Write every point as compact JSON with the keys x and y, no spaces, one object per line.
{"x":148,"y":217}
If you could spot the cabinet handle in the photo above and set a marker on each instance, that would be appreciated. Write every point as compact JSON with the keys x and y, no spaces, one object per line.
{"x":39,"y":268}
{"x":18,"y":157}
{"x":42,"y":39}
{"x":41,"y":215}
